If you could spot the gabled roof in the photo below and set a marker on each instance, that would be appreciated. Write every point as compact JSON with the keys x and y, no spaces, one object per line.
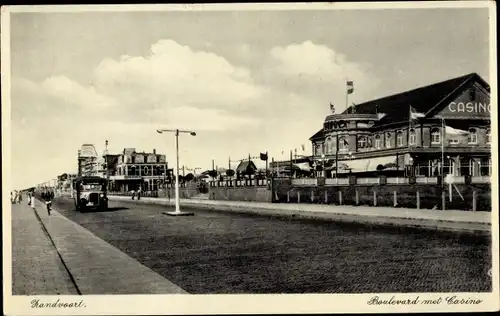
{"x":423,"y":100}
{"x":319,"y":134}
{"x":242,"y":167}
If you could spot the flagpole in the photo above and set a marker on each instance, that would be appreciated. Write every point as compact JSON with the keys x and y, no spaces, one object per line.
{"x":346,"y":95}
{"x":291,"y":163}
{"x":409,"y":127}
{"x":267,"y":159}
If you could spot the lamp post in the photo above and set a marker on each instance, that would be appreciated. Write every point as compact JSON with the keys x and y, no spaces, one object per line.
{"x":177,"y":211}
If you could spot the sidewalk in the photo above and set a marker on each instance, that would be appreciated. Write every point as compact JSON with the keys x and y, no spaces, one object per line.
{"x":36,"y":266}
{"x":98,"y":267}
{"x":461,"y":221}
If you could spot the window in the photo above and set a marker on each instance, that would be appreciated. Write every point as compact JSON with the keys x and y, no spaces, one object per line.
{"x":319,"y":149}
{"x":362,"y":142}
{"x":488,"y":136}
{"x":435,"y":136}
{"x":399,"y":138}
{"x":343,"y":144}
{"x":472,"y":136}
{"x":330,"y":145}
{"x":412,"y":140}
{"x":388,"y":137}
{"x":454,"y":141}
{"x":485,"y":166}
{"x":377,"y":141}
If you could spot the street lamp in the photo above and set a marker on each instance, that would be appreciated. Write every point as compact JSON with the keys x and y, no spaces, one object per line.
{"x":177,"y":200}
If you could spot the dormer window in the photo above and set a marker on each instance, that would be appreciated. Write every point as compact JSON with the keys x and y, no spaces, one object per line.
{"x":412,"y":139}
{"x":435,"y":136}
{"x":399,"y":138}
{"x":388,"y":137}
{"x":377,"y":142}
{"x":472,"y":136}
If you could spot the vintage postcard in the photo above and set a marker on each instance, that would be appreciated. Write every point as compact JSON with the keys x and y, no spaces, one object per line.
{"x":250,"y":158}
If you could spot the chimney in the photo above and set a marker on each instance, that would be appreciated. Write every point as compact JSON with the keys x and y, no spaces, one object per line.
{"x":154,"y":151}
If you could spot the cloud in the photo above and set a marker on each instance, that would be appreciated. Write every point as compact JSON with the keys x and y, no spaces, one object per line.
{"x":320,"y":72}
{"x":235,"y":110}
{"x":72,"y":93}
{"x":175,"y":75}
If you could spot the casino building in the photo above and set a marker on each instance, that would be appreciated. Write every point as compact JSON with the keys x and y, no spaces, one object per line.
{"x":133,"y":170}
{"x":443,"y":128}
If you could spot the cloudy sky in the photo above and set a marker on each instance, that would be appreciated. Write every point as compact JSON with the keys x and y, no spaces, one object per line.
{"x":246,"y":82}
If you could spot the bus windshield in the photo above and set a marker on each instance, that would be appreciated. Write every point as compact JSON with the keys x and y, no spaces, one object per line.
{"x":91,"y":186}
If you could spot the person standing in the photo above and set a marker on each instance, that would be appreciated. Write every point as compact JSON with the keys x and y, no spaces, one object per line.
{"x":32,"y":199}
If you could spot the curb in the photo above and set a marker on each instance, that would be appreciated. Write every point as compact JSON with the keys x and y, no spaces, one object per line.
{"x":79,"y":279}
{"x":473,"y":228}
{"x":44,"y":228}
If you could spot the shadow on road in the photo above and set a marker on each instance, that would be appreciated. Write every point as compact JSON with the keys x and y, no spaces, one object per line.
{"x":110,"y":209}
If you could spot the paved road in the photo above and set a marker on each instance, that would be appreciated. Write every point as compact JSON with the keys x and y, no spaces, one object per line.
{"x":216,"y":252}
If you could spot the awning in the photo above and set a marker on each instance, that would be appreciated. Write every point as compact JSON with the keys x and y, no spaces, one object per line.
{"x":371,"y":164}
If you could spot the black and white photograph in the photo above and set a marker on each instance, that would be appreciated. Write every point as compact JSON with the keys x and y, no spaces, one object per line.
{"x":200,"y":159}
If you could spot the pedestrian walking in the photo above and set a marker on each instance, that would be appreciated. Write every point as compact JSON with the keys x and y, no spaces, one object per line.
{"x":133,"y":194}
{"x":139,"y":193}
{"x":20,"y":197}
{"x":47,"y":196}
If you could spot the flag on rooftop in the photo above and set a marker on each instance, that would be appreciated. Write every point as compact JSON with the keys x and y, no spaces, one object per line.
{"x":350,"y":87}
{"x":414,"y":114}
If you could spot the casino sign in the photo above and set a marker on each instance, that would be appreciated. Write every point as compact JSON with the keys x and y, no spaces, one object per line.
{"x":469,"y":107}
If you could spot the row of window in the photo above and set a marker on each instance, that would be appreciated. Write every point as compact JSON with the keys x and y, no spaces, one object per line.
{"x":142,"y":171}
{"x":366,"y":142}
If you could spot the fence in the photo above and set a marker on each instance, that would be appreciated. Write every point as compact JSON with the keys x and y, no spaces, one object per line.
{"x":384,"y":180}
{"x":475,"y":197}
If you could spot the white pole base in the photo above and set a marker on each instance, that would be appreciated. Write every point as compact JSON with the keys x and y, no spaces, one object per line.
{"x":180,"y":213}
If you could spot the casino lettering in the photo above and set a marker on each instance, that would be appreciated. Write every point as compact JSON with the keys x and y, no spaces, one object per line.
{"x":469,"y":107}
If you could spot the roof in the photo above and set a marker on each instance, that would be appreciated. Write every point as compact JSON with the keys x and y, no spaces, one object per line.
{"x":242,"y":167}
{"x":423,"y":100}
{"x":319,"y":134}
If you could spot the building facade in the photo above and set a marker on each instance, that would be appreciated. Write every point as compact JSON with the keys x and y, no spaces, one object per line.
{"x":132,"y":170}
{"x":443,"y":128}
{"x":88,"y":161}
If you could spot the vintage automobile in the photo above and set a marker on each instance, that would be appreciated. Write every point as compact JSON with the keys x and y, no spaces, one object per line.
{"x":90,"y":193}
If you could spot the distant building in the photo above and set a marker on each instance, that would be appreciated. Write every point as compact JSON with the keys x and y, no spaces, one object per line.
{"x":412,"y":132}
{"x":131,"y":170}
{"x":88,"y":161}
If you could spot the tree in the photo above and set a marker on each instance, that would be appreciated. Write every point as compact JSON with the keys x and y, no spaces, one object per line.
{"x":380,"y":167}
{"x":230,"y":173}
{"x":249,"y":170}
{"x":212,"y":173}
{"x":189,"y":177}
